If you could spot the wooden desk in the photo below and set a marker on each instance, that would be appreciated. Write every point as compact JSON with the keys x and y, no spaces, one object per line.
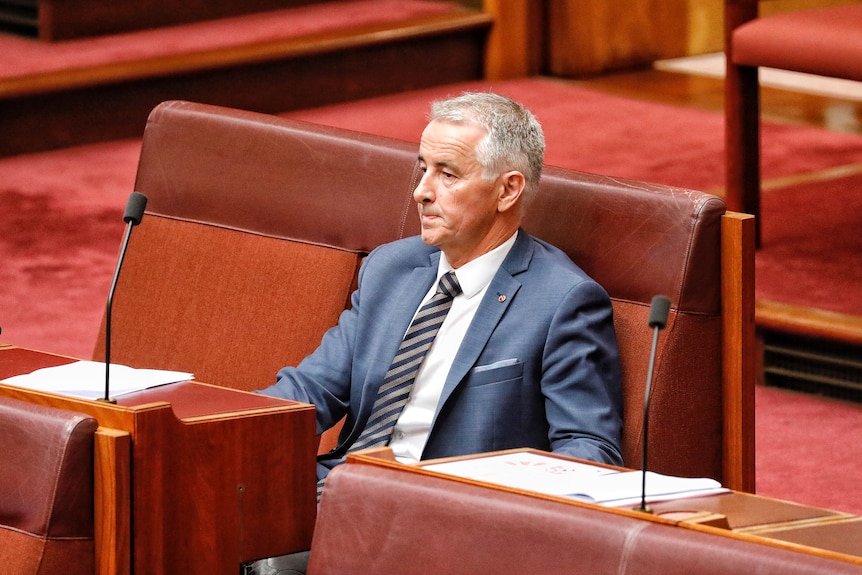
{"x":812,"y":530}
{"x":486,"y":527}
{"x":212,"y":476}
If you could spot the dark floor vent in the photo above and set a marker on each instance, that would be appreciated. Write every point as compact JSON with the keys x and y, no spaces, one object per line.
{"x":813,"y":365}
{"x":19,"y":17}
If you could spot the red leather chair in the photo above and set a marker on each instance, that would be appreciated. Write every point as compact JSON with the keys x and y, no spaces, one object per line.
{"x":256,"y":225}
{"x":822,"y":41}
{"x":387,"y":520}
{"x":46,"y":490}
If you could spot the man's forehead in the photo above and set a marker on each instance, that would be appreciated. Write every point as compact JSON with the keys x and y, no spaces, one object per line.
{"x":444,"y":140}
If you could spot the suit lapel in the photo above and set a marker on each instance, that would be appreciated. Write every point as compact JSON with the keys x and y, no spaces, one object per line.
{"x":497,"y":299}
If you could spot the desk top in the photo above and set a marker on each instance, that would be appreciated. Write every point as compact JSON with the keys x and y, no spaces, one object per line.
{"x":808,"y":529}
{"x":189,"y":399}
{"x":843,"y":535}
{"x":210,"y":476}
{"x":747,"y":512}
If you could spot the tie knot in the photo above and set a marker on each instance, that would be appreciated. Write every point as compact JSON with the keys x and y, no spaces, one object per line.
{"x":449,"y":285}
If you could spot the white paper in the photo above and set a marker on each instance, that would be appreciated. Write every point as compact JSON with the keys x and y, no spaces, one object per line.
{"x":529,"y":471}
{"x":554,"y":476}
{"x":626,"y":488}
{"x":86,"y":379}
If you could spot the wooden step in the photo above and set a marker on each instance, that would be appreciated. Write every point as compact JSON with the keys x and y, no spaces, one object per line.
{"x":96,"y":98}
{"x":808,"y":322}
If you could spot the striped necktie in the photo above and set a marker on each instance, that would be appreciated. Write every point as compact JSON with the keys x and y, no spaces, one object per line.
{"x":395,"y":390}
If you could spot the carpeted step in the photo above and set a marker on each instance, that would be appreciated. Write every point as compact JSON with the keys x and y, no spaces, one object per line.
{"x":82,"y":91}
{"x":53,"y":20}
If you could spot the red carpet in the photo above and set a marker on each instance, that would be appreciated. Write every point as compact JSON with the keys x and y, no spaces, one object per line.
{"x":60,"y":232}
{"x":24,"y":57}
{"x":808,"y":449}
{"x":811,"y":246}
{"x":61,"y":226}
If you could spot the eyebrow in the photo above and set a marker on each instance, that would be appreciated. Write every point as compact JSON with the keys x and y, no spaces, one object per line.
{"x":441,"y":164}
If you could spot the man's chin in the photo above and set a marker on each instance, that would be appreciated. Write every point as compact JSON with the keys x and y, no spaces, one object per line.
{"x":430,"y":238}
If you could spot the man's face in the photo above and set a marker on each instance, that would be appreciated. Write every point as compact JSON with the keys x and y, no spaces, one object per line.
{"x":457,"y":207}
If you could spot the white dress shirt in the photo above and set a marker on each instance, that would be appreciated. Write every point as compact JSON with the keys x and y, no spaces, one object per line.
{"x":414,"y":424}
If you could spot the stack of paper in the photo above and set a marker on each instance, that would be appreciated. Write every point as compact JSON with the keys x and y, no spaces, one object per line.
{"x":86,"y":379}
{"x":554,"y":476}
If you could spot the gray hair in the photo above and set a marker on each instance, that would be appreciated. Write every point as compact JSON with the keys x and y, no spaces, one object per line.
{"x":514,"y":138}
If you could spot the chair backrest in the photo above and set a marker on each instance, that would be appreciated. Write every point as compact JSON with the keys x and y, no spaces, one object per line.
{"x":251,"y":241}
{"x":639,"y":240}
{"x":256,"y":225}
{"x":46,"y":490}
{"x":376,"y":519}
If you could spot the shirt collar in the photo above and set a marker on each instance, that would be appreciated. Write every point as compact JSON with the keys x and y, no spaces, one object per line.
{"x":475,"y":275}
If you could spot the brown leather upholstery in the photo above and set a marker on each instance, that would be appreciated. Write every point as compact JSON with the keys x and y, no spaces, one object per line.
{"x":385,"y":521}
{"x":639,"y":240}
{"x":46,"y":490}
{"x":822,"y":41}
{"x":251,"y":242}
{"x":256,"y":225}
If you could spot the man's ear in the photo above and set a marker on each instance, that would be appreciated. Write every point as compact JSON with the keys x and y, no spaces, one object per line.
{"x":511,"y":187}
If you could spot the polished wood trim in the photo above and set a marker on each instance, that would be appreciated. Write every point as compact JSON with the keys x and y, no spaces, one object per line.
{"x":806,"y":321}
{"x":113,"y":503}
{"x":253,"y":490}
{"x":742,"y":120}
{"x":381,"y":458}
{"x":739,"y":350}
{"x":515,"y":45}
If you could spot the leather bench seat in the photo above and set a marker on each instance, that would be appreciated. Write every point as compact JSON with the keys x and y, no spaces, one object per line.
{"x":375,"y":519}
{"x":46,"y":490}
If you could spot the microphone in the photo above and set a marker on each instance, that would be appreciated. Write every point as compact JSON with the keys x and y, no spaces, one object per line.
{"x":657,"y":320}
{"x":134,"y":212}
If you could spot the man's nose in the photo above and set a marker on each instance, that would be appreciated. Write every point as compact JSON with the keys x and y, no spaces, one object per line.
{"x":423,"y":192}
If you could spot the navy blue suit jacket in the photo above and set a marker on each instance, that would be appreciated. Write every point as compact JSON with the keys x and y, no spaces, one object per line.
{"x":537,"y":368}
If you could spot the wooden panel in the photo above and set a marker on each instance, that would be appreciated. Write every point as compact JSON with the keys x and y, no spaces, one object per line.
{"x":808,"y":322}
{"x":775,"y":6}
{"x":592,"y":36}
{"x":206,"y":492}
{"x":739,"y":350}
{"x":516,"y":44}
{"x":113,"y":476}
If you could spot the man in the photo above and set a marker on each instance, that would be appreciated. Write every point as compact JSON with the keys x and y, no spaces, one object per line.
{"x":526,"y":355}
